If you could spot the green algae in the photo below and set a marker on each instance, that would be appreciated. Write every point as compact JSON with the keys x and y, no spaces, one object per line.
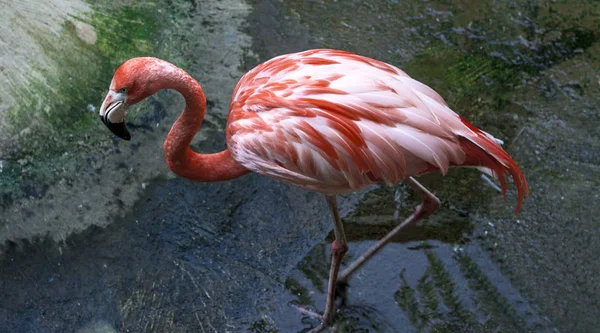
{"x":56,"y":120}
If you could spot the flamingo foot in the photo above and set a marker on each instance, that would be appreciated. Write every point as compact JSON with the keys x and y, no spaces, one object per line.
{"x":316,"y":316}
{"x":338,"y":249}
{"x":321,"y":327}
{"x":308,"y":312}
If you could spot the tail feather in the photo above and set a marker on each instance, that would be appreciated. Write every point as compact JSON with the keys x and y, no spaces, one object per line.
{"x":481,"y":149}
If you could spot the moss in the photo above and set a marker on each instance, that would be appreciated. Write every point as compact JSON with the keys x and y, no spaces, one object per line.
{"x":52,"y":124}
{"x":477,"y":86}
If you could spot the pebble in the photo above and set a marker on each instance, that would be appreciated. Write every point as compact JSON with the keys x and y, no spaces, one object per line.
{"x":85,"y":32}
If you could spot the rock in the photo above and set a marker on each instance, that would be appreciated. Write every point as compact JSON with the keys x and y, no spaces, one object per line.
{"x":85,"y":32}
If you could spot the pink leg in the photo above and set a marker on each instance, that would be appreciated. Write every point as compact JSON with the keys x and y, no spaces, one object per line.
{"x":339,"y":247}
{"x":429,"y":205}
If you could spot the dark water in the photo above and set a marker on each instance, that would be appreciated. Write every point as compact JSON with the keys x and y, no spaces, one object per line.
{"x":178,"y":256}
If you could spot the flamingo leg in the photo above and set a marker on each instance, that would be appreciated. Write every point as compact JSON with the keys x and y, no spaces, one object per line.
{"x":429,"y":205}
{"x":339,"y":247}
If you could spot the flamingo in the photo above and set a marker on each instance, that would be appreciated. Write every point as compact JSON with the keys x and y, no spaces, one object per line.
{"x":325,"y":120}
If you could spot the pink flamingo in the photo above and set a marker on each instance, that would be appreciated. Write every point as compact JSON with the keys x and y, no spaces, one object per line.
{"x":325,"y":120}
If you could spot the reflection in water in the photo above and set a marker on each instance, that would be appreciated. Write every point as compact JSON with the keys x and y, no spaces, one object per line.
{"x":374,"y":217}
{"x":435,"y":286}
{"x":452,"y":294}
{"x":349,"y":318}
{"x":435,"y":304}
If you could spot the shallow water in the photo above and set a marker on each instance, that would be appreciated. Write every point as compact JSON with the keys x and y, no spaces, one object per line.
{"x":99,"y":236}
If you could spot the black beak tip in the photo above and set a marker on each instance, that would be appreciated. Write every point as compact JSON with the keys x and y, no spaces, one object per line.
{"x":126,"y":136}
{"x":118,"y":129}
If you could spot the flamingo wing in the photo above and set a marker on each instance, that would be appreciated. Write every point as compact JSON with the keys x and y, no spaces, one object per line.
{"x":333,"y":121}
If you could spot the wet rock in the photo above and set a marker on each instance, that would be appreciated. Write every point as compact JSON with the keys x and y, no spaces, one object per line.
{"x":85,"y":32}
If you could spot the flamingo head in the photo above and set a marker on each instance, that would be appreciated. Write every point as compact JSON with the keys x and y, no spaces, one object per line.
{"x":133,"y":81}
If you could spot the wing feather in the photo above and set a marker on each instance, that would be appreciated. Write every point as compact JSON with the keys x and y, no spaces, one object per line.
{"x":333,"y":121}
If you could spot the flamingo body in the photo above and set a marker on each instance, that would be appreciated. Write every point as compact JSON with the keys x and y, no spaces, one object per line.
{"x":335,"y":122}
{"x":325,"y":120}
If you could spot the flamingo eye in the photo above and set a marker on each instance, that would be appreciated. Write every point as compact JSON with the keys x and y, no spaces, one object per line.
{"x":123,"y":90}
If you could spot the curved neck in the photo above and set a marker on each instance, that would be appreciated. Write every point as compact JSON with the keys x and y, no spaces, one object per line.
{"x":180,"y":158}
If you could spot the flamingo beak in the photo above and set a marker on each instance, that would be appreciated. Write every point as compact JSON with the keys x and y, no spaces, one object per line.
{"x":112,"y":114}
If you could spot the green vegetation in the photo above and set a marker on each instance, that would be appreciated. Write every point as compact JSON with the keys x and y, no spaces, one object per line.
{"x":478,"y":86}
{"x":56,"y":118}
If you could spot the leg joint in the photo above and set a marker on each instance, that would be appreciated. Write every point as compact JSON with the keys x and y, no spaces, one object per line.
{"x":430,"y":204}
{"x":339,"y":249}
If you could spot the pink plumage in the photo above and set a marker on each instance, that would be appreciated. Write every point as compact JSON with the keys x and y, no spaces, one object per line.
{"x":335,"y":122}
{"x":325,"y":120}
